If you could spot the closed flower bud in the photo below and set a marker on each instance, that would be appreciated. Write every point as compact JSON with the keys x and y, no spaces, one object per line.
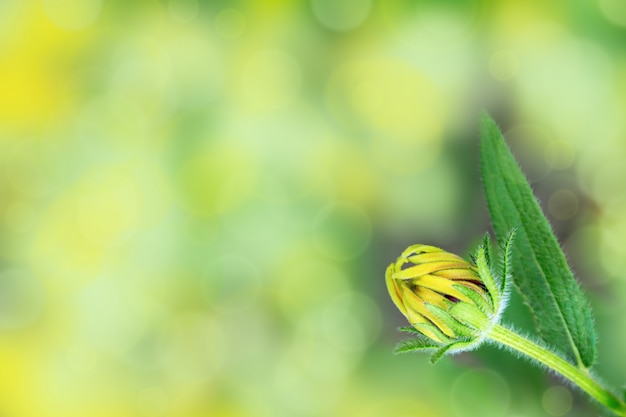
{"x":443,"y":296}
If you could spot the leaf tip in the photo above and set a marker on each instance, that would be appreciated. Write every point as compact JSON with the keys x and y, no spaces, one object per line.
{"x":486,"y":119}
{"x":488,"y":126}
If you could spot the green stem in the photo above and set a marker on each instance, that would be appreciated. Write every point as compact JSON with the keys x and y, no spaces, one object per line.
{"x":578,"y":376}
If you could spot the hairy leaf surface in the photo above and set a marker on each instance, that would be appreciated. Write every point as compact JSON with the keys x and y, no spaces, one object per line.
{"x":539,"y":268}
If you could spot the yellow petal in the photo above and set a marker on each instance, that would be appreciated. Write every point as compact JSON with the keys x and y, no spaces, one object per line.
{"x":428,"y":268}
{"x":394,"y":291}
{"x":416,"y":249}
{"x":461,"y":273}
{"x":442,"y":286}
{"x":431,"y":297}
{"x":424,"y":326}
{"x":415,"y":304}
{"x":474,"y":287}
{"x":415,"y":318}
{"x":428,"y":329}
{"x":435,"y":256}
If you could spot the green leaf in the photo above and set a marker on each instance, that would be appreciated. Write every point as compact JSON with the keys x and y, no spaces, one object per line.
{"x":540,"y":272}
{"x":418,"y":344}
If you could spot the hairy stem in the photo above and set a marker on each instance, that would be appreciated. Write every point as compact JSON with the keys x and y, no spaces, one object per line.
{"x":579,"y":376}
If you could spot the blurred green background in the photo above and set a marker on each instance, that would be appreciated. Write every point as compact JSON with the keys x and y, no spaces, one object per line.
{"x":198,"y":199}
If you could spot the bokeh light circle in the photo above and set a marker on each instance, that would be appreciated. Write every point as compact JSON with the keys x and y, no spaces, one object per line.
{"x":563,"y":204}
{"x":217,"y":178}
{"x":306,"y":286}
{"x":557,"y":401}
{"x":391,"y":97}
{"x":404,"y":158}
{"x":270,"y":79}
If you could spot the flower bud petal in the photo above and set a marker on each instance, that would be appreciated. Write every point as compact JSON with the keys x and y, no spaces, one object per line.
{"x":434,"y":289}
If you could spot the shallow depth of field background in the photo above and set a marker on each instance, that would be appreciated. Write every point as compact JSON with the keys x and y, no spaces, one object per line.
{"x":198,"y":199}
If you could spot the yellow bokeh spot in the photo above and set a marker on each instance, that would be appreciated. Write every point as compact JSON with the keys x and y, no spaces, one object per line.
{"x":217,"y":179}
{"x":404,"y":158}
{"x":391,"y":97}
{"x":296,"y":296}
{"x":111,"y":213}
{"x":349,"y":170}
{"x":270,"y":79}
{"x":94,"y":218}
{"x":17,"y":392}
{"x":34,"y":81}
{"x":29,"y":93}
{"x":72,"y":15}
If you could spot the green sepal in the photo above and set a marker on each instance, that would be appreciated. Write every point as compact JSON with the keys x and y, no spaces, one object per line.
{"x":486,"y":245}
{"x":417,"y":344}
{"x":476,"y":298}
{"x":504,"y":271}
{"x":440,"y":353}
{"x":458,"y":328}
{"x":471,"y":316}
{"x":409,"y":329}
{"x":433,"y":329}
{"x":452,"y":348}
{"x":488,"y":279}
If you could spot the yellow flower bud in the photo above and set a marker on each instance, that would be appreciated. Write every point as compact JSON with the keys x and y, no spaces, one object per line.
{"x":442,"y":295}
